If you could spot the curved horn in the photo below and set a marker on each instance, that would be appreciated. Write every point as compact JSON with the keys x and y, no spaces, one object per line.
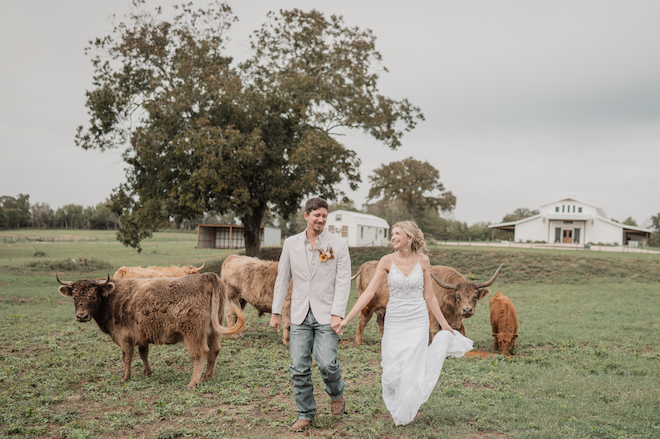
{"x":492,"y":279}
{"x":357,"y":274}
{"x":442,"y":284}
{"x":200,"y":268}
{"x":103,"y":282}
{"x":68,"y":283}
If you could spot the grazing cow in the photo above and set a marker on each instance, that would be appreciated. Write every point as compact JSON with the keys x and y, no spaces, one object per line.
{"x":456,"y":297}
{"x":251,"y":280}
{"x":504,"y":321}
{"x":155,"y":272}
{"x":157,"y":311}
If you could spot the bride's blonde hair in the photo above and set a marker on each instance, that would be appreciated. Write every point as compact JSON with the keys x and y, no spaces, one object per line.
{"x":417,"y":243}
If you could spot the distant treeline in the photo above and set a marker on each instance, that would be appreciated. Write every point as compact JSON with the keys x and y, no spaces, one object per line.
{"x":18,"y":213}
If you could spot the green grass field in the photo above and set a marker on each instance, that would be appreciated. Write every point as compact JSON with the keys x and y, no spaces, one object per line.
{"x":587,"y":362}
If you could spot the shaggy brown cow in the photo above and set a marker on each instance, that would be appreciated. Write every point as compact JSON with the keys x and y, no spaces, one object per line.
{"x":155,"y":272}
{"x":456,"y":297}
{"x":251,"y":280}
{"x":504,"y":321}
{"x":158,"y":311}
{"x":377,"y":304}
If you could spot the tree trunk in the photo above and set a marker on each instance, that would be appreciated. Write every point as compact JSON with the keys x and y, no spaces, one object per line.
{"x":252,"y":225}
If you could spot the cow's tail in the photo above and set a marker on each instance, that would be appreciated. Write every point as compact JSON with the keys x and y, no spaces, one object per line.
{"x":219,"y":304}
{"x":240,"y":318}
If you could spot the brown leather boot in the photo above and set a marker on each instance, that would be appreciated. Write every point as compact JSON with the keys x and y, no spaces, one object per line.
{"x":300,"y":424}
{"x":337,"y":406}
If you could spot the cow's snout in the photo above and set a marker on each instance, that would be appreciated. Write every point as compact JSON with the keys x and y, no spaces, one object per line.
{"x":468,"y":312}
{"x":82,"y":317}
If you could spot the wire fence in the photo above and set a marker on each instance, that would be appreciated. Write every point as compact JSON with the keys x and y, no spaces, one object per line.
{"x":12,"y":239}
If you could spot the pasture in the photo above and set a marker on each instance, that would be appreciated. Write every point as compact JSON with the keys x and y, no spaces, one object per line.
{"x":587,"y":362}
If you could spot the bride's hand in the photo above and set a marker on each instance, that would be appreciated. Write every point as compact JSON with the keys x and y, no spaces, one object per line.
{"x":448,"y":328}
{"x":342,"y":325}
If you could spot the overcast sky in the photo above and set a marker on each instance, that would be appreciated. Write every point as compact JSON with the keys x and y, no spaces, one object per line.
{"x":525,"y":102}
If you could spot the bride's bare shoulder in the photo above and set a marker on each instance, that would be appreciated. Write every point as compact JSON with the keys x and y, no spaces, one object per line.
{"x":385,"y":261}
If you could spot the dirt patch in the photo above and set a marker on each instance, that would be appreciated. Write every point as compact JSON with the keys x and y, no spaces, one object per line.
{"x":480,"y":354}
{"x":471,"y":385}
{"x":488,"y":434}
{"x":17,"y":299}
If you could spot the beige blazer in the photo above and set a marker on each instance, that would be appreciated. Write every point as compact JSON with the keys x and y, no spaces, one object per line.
{"x":325,"y":290}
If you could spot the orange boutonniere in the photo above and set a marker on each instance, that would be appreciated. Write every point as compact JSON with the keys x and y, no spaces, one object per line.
{"x":327,"y":254}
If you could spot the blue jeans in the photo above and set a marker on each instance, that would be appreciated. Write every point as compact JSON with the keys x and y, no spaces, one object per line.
{"x":307,"y":338}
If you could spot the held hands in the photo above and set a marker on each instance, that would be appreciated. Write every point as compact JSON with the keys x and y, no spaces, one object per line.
{"x":342,"y":325}
{"x":335,"y":322}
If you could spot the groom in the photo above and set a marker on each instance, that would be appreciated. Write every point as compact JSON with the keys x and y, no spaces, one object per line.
{"x":320,"y":265}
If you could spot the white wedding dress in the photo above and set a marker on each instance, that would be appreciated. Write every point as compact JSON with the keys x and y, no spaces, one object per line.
{"x":411,"y":367}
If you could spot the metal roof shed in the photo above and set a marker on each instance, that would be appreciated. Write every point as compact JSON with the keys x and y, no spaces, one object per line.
{"x":230,"y":236}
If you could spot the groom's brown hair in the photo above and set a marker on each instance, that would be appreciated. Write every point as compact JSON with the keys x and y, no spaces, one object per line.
{"x":315,"y":203}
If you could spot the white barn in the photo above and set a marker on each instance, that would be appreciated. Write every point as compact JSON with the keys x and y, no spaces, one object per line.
{"x":571,"y":221}
{"x":359,"y":229}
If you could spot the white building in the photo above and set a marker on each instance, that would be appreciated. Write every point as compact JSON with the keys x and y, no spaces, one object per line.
{"x":572,"y":221}
{"x":359,"y":229}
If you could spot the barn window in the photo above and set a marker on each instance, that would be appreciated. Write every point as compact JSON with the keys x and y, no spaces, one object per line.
{"x":579,"y":210}
{"x":557,"y":234}
{"x":576,"y":236}
{"x":562,"y":208}
{"x":338,"y":217}
{"x":331,"y":229}
{"x":557,"y":209}
{"x":573,"y":209}
{"x":361,"y":232}
{"x":344,"y":231}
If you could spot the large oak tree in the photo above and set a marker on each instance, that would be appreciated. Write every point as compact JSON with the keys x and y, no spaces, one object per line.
{"x":203,"y":135}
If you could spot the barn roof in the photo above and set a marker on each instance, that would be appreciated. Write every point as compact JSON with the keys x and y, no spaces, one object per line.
{"x":599,"y":209}
{"x":514,"y":223}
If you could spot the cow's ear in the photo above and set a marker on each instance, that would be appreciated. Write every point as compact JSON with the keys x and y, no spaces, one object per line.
{"x":515,"y":337}
{"x":450,"y":299}
{"x":107,"y":288}
{"x":483,"y":293}
{"x":66,"y":290}
{"x":494,"y":336}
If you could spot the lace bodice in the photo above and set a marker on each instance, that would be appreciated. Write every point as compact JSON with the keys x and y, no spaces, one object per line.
{"x":404,"y":287}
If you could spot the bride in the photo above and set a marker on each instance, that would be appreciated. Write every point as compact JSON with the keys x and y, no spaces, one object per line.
{"x":411,"y":367}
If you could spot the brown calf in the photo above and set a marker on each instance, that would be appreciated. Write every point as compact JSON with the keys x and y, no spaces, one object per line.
{"x":504,"y":321}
